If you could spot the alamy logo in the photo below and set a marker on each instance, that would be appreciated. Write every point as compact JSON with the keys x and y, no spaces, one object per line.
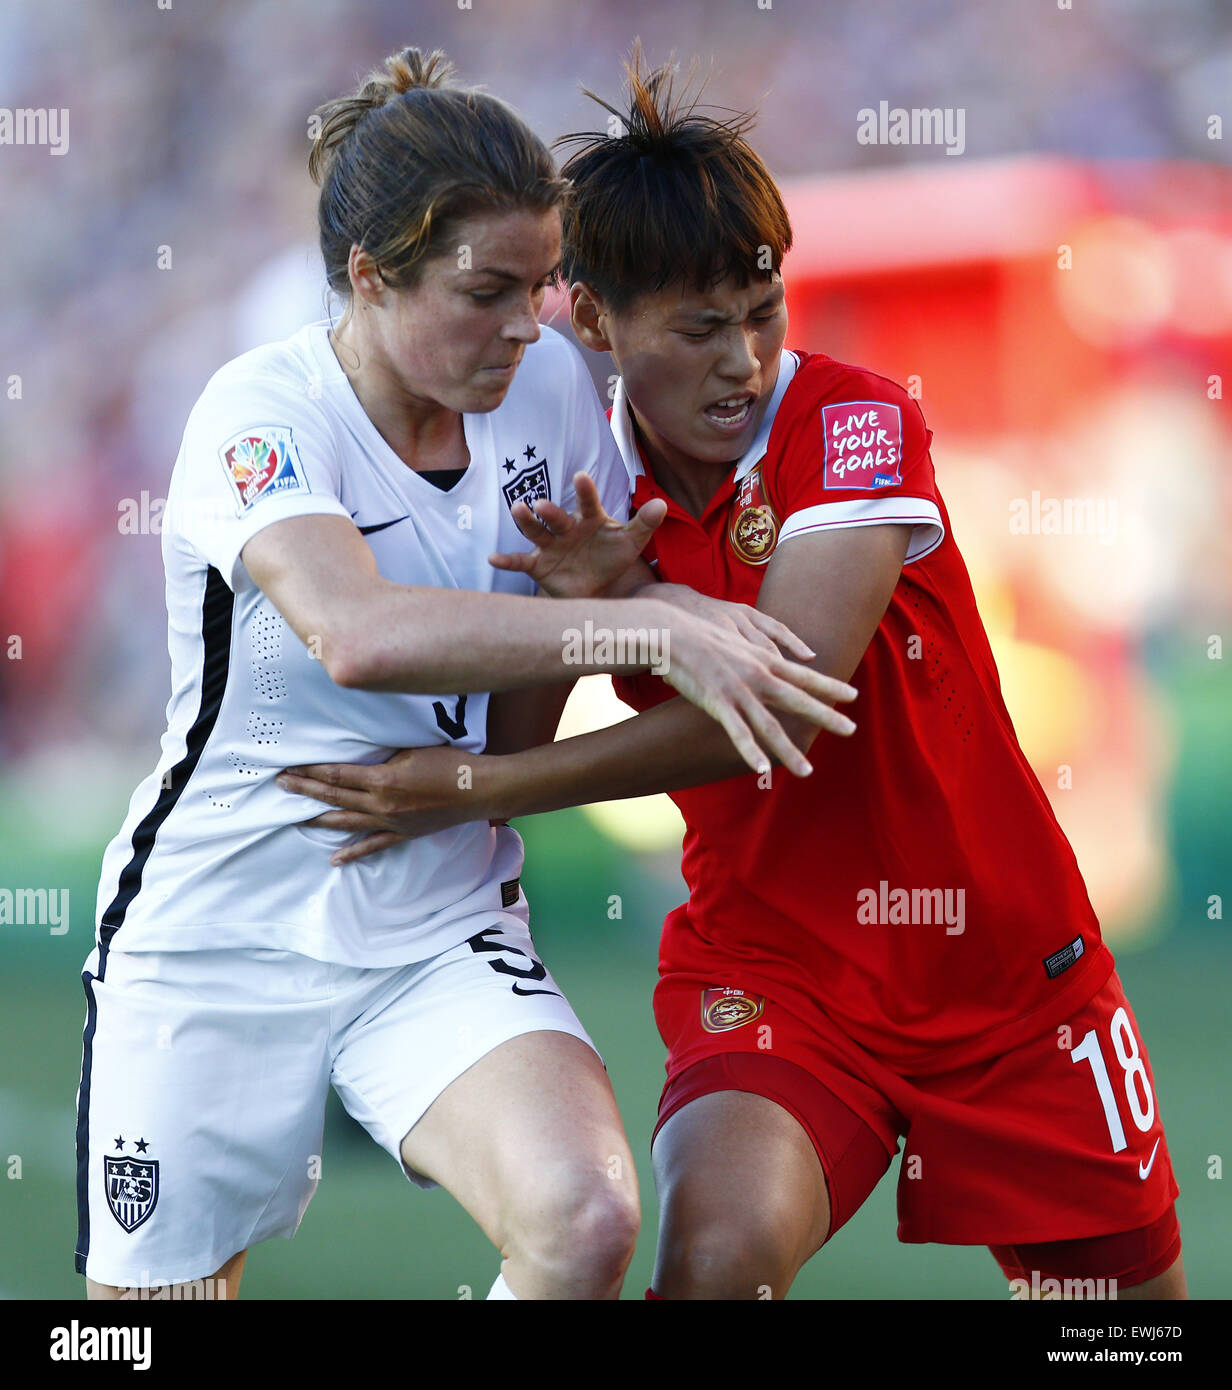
{"x":1040,"y":1287}
{"x":77,"y":1343}
{"x":921,"y":125}
{"x":35,"y":125}
{"x":1064,"y":516}
{"x":621,"y":646}
{"x":35,"y":907}
{"x":886,"y":906}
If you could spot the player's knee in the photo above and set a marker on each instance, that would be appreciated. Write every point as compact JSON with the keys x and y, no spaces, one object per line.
{"x":718,"y":1263}
{"x":753,"y":1253}
{"x":583,"y":1226}
{"x":607,"y":1227}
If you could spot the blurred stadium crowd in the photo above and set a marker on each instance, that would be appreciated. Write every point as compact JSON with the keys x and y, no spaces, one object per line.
{"x":177,"y":230}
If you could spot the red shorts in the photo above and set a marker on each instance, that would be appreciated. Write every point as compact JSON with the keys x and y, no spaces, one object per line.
{"x":1058,"y":1140}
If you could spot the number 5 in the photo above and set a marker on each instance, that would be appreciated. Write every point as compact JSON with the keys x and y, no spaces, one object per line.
{"x":1125,"y":1045}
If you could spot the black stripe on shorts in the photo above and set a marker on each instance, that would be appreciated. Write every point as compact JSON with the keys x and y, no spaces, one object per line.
{"x":217,"y":610}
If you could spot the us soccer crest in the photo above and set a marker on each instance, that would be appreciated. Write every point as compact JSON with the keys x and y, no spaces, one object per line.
{"x":726,"y":1007}
{"x":530,"y":485}
{"x":261,"y":462}
{"x":131,"y":1185}
{"x":754,"y":527}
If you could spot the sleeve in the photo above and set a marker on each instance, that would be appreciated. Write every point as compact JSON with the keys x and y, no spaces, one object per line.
{"x":254,"y":452}
{"x":593,"y":446}
{"x":859,"y":460}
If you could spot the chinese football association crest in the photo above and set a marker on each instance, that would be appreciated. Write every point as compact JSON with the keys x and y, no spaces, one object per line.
{"x":754,"y":527}
{"x":725,"y":1008}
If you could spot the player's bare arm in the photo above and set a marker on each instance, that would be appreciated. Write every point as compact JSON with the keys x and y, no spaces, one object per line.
{"x":375,"y":635}
{"x":589,"y":554}
{"x":833,"y":589}
{"x":517,"y":720}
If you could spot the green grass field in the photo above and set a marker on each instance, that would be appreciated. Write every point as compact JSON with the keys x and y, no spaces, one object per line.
{"x":370,"y":1234}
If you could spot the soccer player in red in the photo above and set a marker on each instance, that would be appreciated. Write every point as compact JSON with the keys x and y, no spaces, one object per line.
{"x":899,"y":946}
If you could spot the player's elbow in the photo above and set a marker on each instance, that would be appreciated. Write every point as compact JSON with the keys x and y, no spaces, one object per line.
{"x":351,"y":665}
{"x":346,"y":669}
{"x":356,"y":662}
{"x":349,"y":646}
{"x":347,"y":657}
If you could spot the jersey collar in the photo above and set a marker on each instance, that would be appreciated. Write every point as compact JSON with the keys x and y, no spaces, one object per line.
{"x":626,"y":439}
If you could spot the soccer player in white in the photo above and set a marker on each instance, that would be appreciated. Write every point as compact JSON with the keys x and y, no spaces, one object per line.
{"x":326,"y":545}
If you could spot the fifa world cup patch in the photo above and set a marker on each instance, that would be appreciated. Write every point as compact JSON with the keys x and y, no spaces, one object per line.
{"x":754,"y":529}
{"x":864,"y":445}
{"x":261,"y":462}
{"x":725,"y":1007}
{"x":131,"y":1186}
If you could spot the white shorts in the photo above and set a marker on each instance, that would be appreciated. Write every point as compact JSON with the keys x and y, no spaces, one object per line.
{"x":205,"y":1073}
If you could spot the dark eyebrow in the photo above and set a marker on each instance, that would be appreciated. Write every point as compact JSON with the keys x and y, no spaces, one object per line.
{"x":508,"y":274}
{"x":774,"y":297}
{"x":704,"y":316}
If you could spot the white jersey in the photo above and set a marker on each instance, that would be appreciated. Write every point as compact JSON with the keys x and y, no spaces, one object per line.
{"x":211,"y":854}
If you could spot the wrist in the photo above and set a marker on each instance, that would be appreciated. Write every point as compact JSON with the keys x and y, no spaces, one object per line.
{"x":665,"y":592}
{"x":568,"y":589}
{"x":496,"y":782}
{"x":633,"y":584}
{"x":639,"y":578}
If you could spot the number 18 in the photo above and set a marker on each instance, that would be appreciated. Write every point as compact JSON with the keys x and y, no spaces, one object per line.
{"x":1125,"y":1045}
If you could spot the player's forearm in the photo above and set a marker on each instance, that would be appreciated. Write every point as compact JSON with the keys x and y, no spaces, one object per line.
{"x":671,"y":746}
{"x":420,"y":640}
{"x":520,"y":719}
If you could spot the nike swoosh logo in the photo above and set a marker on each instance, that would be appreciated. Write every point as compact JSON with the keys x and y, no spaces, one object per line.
{"x":517,"y":989}
{"x":381,"y":525}
{"x":1144,"y":1169}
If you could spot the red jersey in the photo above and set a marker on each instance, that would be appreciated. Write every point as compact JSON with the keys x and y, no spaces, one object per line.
{"x":917,"y":887}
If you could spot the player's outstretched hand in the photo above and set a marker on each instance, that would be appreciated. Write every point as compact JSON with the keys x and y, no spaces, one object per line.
{"x":416,"y":792}
{"x":751,"y":623}
{"x":735,"y":680}
{"x":578,"y":555}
